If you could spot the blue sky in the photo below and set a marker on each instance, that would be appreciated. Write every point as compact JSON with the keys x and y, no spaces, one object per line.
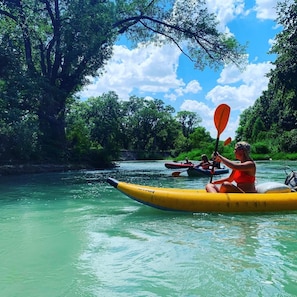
{"x":165,"y":73}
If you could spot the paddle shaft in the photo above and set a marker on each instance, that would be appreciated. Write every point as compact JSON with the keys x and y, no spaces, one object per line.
{"x":221,"y":118}
{"x":216,"y":149}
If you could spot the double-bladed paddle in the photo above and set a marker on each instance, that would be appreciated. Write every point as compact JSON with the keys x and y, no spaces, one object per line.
{"x":221,"y":117}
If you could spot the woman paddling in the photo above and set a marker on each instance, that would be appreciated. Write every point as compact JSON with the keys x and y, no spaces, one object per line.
{"x":243,"y":173}
{"x":204,"y":162}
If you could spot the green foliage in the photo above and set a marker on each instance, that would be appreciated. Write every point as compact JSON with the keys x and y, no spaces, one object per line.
{"x":19,"y":129}
{"x":292,"y":156}
{"x":181,"y":144}
{"x":258,"y":129}
{"x":272,"y":120}
{"x":79,"y":140}
{"x":285,"y":46}
{"x":99,"y":157}
{"x":260,"y":148}
{"x":194,"y":155}
{"x":208,"y":149}
{"x":147,"y":127}
{"x":199,"y":138}
{"x":288,"y":141}
{"x":149,"y":124}
{"x":189,"y":120}
{"x":55,"y":56}
{"x":104,"y":118}
{"x":19,"y":139}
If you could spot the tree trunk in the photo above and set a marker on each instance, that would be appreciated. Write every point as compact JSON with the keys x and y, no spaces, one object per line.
{"x":51,"y":113}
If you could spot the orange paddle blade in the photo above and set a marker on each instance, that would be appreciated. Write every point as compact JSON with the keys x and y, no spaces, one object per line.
{"x":221,"y":117}
{"x":176,"y":173}
{"x":227,"y":141}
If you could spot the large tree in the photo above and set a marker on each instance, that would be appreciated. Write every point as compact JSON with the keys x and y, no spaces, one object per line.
{"x":59,"y":43}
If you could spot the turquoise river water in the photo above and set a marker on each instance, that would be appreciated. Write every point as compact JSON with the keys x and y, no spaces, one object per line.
{"x":72,"y":234}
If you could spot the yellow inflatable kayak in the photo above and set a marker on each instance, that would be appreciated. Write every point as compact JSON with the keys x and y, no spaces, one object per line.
{"x":275,"y":197}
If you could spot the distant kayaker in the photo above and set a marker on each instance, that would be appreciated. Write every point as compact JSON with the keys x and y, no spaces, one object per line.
{"x":243,"y":173}
{"x":204,"y":162}
{"x":187,"y":161}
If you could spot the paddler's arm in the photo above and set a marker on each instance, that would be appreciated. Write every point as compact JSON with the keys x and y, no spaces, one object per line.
{"x":230,"y":179}
{"x":234,"y":165}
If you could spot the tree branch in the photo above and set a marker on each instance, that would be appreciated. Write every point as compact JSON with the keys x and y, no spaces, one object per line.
{"x":9,"y":15}
{"x":26,"y":36}
{"x":170,"y":38}
{"x":134,"y":20}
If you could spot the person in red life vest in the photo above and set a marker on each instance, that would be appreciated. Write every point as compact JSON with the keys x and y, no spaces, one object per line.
{"x":204,"y":162}
{"x":243,"y":173}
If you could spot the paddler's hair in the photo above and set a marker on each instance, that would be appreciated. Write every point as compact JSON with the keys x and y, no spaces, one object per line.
{"x":244,"y":146}
{"x":204,"y":157}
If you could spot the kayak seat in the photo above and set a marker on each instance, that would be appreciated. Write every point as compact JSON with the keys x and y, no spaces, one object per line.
{"x":272,"y":187}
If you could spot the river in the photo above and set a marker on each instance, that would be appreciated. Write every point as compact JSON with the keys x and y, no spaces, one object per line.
{"x":72,"y":234}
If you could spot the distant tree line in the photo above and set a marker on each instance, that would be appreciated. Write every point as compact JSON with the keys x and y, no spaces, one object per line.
{"x":98,"y":128}
{"x":105,"y":125}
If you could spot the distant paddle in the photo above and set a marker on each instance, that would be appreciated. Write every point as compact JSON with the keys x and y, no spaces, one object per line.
{"x":177,"y":173}
{"x":221,"y":117}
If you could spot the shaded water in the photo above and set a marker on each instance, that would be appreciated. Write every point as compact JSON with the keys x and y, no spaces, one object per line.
{"x":72,"y":234}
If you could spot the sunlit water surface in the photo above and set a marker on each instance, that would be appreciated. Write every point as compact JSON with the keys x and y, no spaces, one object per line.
{"x":72,"y":234}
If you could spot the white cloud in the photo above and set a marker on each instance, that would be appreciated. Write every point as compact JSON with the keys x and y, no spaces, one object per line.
{"x":240,"y":89}
{"x":196,"y":106}
{"x":146,"y":69}
{"x":226,"y":10}
{"x":266,"y":9}
{"x":229,"y":74}
{"x":193,"y":87}
{"x":171,"y":97}
{"x":237,"y":89}
{"x":206,"y":113}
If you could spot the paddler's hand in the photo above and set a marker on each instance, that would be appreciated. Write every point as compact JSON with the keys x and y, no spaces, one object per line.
{"x":217,"y":157}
